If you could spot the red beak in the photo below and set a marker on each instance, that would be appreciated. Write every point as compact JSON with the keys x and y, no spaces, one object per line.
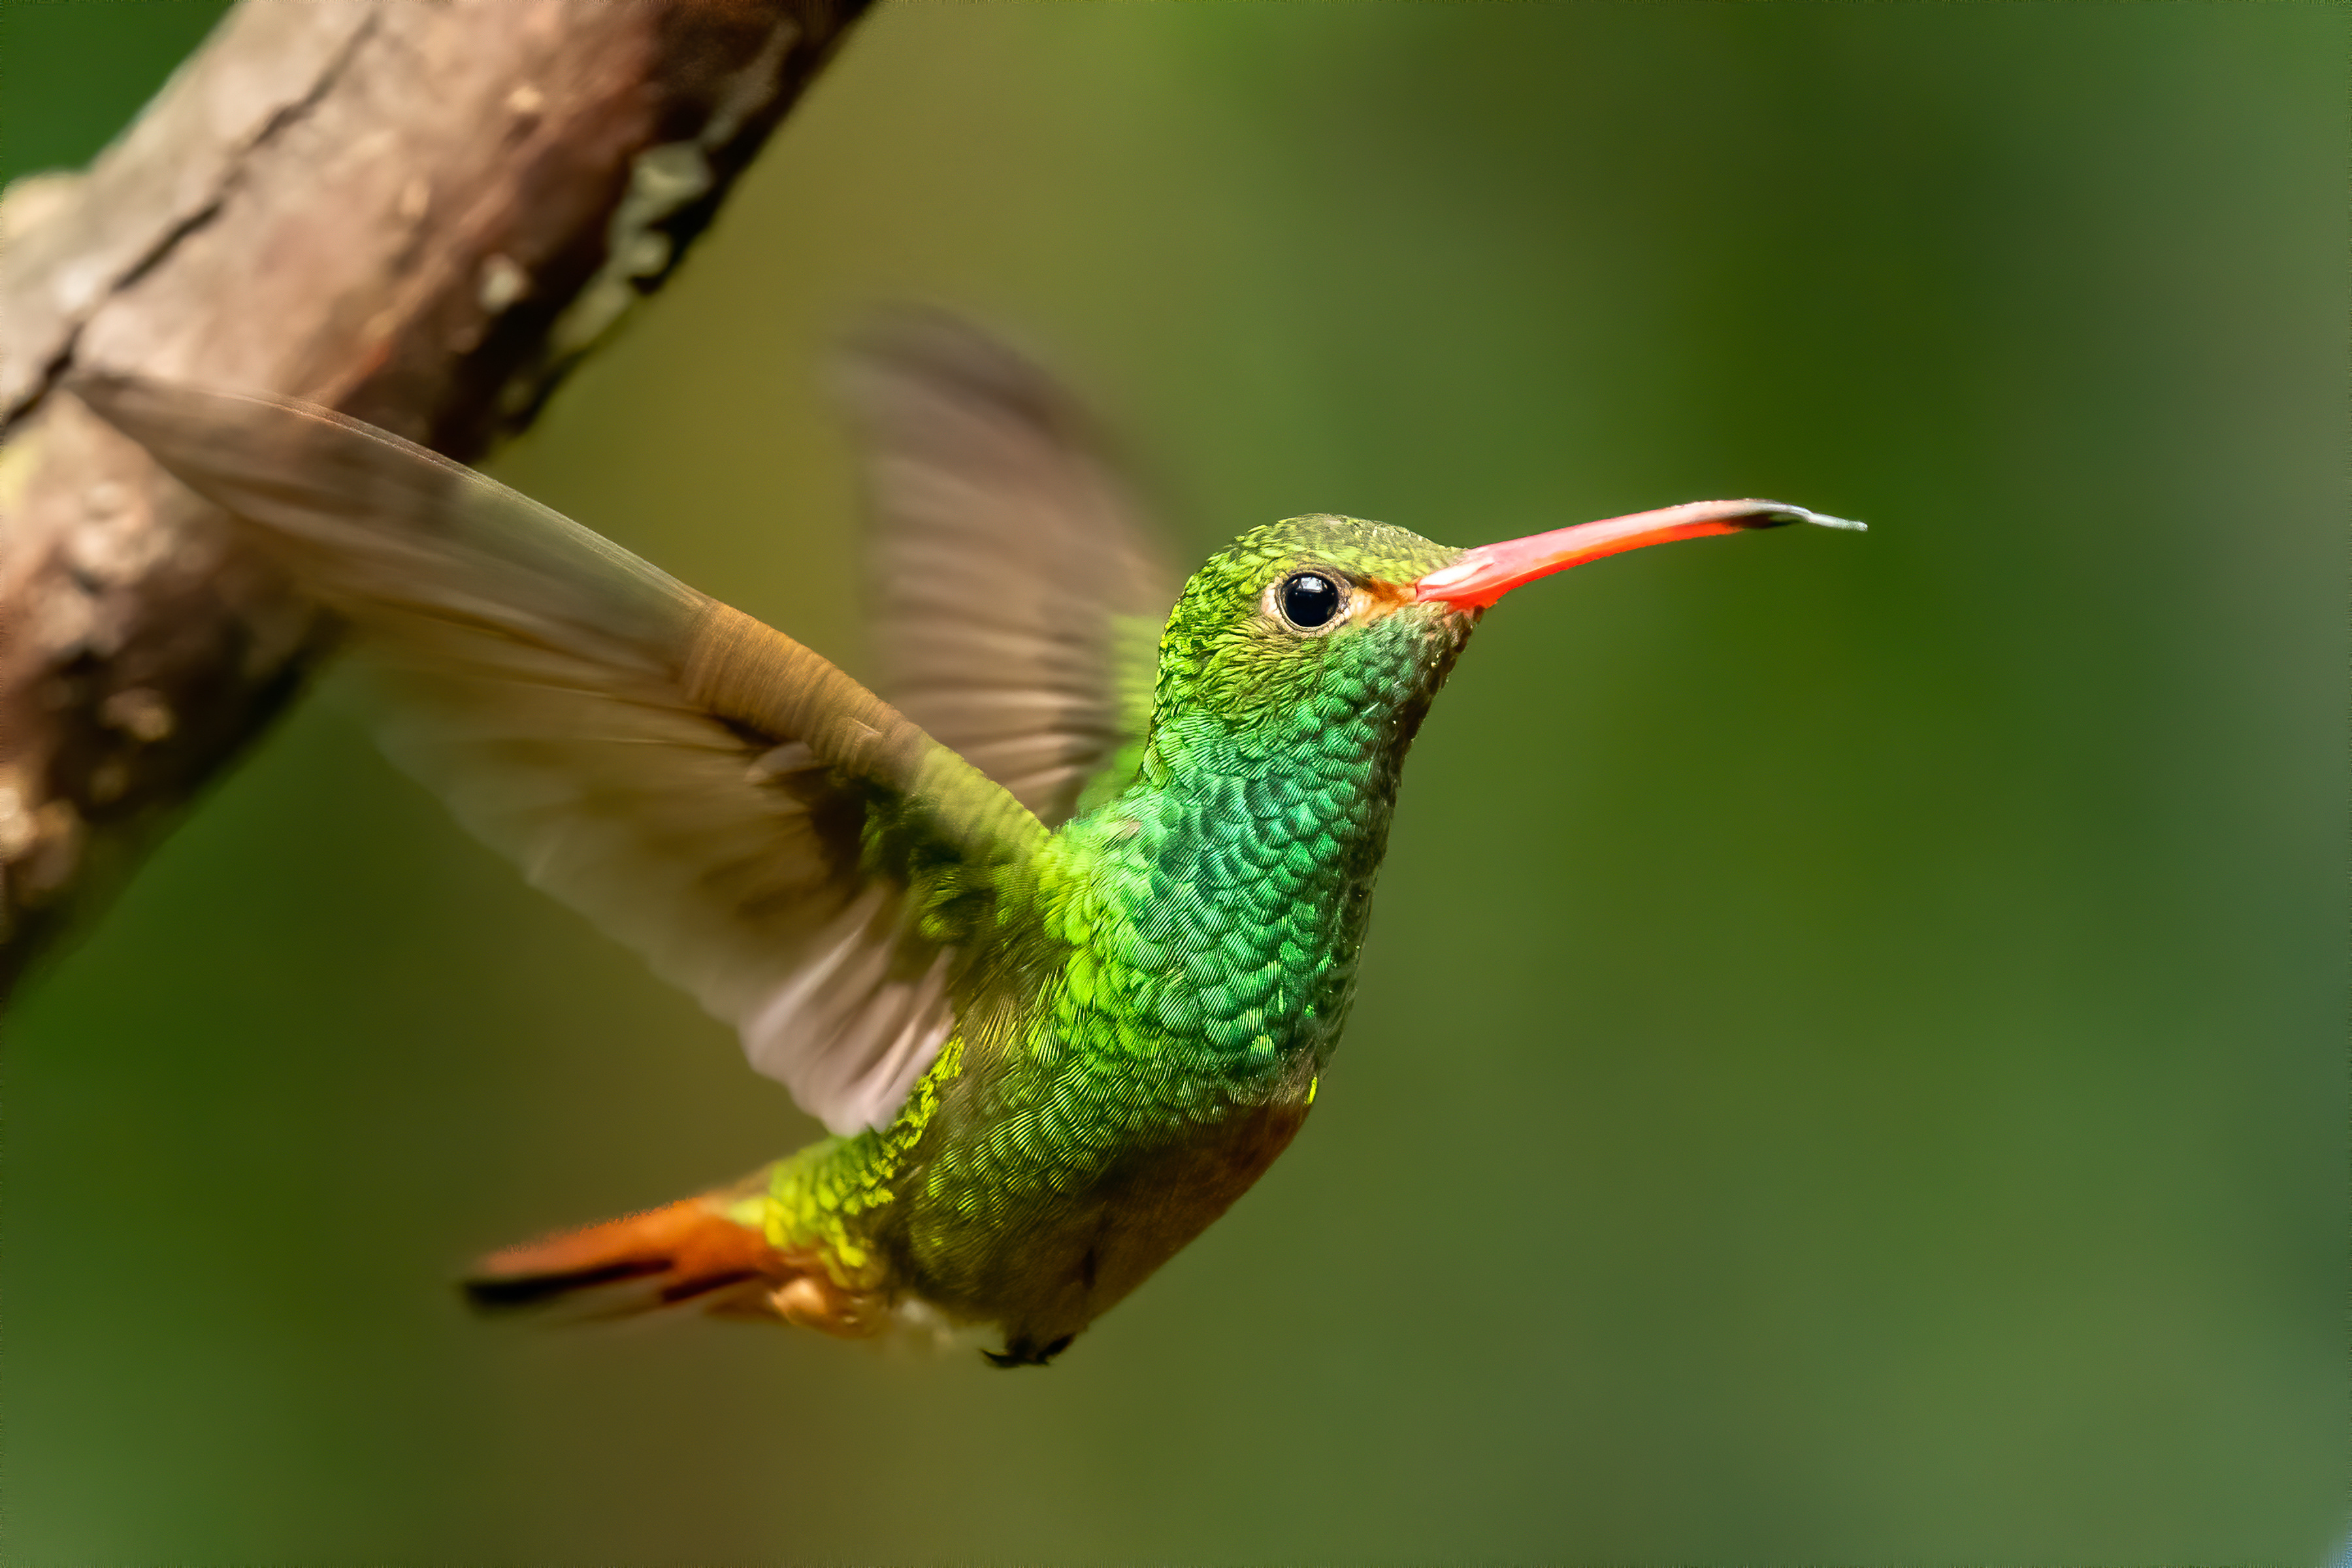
{"x":1480,"y":576}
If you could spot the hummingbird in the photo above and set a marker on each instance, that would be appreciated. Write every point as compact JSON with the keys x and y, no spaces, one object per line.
{"x":1056,"y":943}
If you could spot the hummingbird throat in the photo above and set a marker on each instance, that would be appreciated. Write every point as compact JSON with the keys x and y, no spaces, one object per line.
{"x":1223,"y":910}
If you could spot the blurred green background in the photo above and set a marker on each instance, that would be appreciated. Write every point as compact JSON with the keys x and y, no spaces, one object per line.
{"x":1851,"y":1066}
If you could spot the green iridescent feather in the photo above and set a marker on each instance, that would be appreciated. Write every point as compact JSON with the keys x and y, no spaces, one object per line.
{"x":1184,"y":952}
{"x":1055,"y":951}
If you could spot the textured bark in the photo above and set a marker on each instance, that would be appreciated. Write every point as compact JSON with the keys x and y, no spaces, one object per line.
{"x":421,"y":214}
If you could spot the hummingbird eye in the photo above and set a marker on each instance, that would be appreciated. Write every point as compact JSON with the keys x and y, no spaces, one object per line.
{"x":1308,"y":599}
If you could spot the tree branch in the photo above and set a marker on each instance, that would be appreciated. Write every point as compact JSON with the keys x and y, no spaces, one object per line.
{"x":422,"y":215}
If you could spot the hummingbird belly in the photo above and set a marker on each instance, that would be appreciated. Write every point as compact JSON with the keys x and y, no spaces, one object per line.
{"x":1046,"y":1268}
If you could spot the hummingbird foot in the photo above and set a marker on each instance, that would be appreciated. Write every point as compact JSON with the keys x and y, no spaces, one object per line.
{"x":1028,"y":1352}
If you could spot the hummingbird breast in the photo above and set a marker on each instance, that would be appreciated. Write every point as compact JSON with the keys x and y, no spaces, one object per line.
{"x":1138,"y":1057}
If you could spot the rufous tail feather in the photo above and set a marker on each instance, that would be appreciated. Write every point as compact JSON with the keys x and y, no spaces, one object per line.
{"x":686,"y":1252}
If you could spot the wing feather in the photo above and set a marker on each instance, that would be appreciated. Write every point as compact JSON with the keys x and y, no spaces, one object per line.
{"x":701,"y":787}
{"x":1018,"y":593}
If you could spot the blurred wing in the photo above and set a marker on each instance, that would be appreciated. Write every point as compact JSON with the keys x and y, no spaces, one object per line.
{"x":1018,"y":598}
{"x":701,"y":787}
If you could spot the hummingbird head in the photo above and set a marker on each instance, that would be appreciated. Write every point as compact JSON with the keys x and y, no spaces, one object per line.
{"x":1304,"y":624}
{"x":1326,"y":624}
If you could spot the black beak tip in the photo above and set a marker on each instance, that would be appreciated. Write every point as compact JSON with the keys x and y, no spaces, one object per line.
{"x":1778,"y":515}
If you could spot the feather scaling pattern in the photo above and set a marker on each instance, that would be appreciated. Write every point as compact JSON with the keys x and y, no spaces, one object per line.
{"x":1057,"y":948}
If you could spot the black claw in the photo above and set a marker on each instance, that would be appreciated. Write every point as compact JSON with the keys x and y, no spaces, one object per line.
{"x":1024,"y":1352}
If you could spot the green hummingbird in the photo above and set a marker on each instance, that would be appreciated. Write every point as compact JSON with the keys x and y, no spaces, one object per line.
{"x":1056,"y":947}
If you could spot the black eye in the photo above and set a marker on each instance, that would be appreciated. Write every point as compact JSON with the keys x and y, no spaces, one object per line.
{"x":1309,"y":600}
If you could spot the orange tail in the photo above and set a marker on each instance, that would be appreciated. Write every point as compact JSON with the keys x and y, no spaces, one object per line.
{"x":682,"y":1252}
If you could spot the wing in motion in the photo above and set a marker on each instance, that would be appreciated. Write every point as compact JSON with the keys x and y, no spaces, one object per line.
{"x":1018,"y":598}
{"x":761,"y":826}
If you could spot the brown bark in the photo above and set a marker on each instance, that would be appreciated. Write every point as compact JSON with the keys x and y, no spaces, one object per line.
{"x":421,"y":214}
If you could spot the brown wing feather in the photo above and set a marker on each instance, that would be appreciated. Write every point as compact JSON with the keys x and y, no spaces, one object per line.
{"x":697,"y":783}
{"x":1018,"y":596}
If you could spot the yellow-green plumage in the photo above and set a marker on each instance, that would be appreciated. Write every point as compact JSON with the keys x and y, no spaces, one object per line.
{"x":1058,"y":966}
{"x":1160,"y":989}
